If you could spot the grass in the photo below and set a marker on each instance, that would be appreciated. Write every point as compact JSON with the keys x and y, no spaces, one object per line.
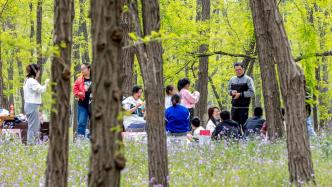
{"x":251,"y":163}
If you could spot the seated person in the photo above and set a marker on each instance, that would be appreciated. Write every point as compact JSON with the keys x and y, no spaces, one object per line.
{"x":196,"y":126}
{"x":254,"y":124}
{"x":227,"y":129}
{"x":134,"y":121}
{"x":177,"y":118}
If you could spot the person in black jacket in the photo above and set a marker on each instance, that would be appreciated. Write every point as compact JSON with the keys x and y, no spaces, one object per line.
{"x":241,"y":88}
{"x":254,"y":124}
{"x":227,"y":128}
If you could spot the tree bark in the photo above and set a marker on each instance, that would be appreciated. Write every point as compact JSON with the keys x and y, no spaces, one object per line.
{"x":271,"y":35}
{"x":21,"y":80}
{"x":83,"y":30}
{"x":2,"y":96}
{"x":127,"y":56}
{"x":107,"y":159}
{"x":10,"y":71}
{"x":39,"y":37}
{"x":57,"y":160}
{"x":32,"y":28}
{"x":203,"y":14}
{"x":151,"y":63}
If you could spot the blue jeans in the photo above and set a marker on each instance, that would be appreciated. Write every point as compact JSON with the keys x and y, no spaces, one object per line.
{"x":83,"y":115}
{"x":137,"y":127}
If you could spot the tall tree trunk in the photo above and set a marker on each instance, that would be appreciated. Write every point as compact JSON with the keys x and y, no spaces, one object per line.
{"x":315,"y":99}
{"x":39,"y":36}
{"x":271,"y":35}
{"x":57,"y":160}
{"x":151,"y":63}
{"x":21,"y":79}
{"x":203,"y":14}
{"x":83,"y":30}
{"x":10,"y":71}
{"x":127,"y":56}
{"x":2,"y":96}
{"x":323,"y":90}
{"x":107,"y":159}
{"x":32,"y":29}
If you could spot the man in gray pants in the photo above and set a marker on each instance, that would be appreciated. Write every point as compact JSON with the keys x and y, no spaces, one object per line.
{"x":241,"y":88}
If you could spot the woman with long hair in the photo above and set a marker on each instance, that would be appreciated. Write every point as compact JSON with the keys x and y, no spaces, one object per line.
{"x":32,"y":98}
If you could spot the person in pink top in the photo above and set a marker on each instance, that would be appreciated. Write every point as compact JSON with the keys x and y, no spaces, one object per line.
{"x":188,"y":99}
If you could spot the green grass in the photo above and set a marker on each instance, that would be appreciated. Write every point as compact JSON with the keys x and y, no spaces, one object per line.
{"x":239,"y":164}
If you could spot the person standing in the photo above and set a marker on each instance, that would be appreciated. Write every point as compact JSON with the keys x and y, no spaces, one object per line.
{"x":188,"y":99}
{"x":241,"y":88}
{"x":82,"y":92}
{"x":32,"y":96}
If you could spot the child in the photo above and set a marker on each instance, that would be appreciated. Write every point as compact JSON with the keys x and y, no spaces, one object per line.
{"x":196,"y":126}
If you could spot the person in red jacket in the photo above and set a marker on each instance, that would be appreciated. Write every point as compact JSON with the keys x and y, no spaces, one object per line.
{"x":82,"y":93}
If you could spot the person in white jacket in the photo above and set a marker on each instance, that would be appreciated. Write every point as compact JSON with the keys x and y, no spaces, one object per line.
{"x":32,"y":98}
{"x":214,"y":119}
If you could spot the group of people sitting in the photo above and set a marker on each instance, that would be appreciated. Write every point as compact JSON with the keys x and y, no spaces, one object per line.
{"x":179,"y":115}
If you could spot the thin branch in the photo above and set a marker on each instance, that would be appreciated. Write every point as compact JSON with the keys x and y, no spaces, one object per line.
{"x":302,"y":57}
{"x":223,"y":53}
{"x":3,"y":8}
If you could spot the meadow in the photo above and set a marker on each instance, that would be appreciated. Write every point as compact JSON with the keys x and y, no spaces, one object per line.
{"x":245,"y":163}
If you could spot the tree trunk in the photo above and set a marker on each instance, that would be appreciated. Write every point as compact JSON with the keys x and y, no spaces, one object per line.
{"x":203,"y":14}
{"x":2,"y":96}
{"x":270,"y":87}
{"x":57,"y":160}
{"x":39,"y":37}
{"x":21,"y":80}
{"x":107,"y":159}
{"x":315,"y":99}
{"x":83,"y":29}
{"x":271,"y":35}
{"x":127,"y":56}
{"x":11,"y":79}
{"x":32,"y":29}
{"x":151,"y":63}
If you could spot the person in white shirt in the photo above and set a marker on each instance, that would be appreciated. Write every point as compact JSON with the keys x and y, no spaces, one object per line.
{"x":214,"y":118}
{"x":196,"y":126}
{"x":32,"y":98}
{"x":134,"y":121}
{"x":170,"y":91}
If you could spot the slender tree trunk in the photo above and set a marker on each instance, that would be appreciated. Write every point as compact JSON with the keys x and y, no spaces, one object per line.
{"x":57,"y":160}
{"x":316,"y":101}
{"x":107,"y":159}
{"x":83,"y":30}
{"x":271,"y":35}
{"x":2,"y":96}
{"x":32,"y":28}
{"x":151,"y":63}
{"x":39,"y":36}
{"x":203,"y":14}
{"x":21,"y":80}
{"x":323,"y":90}
{"x":10,"y":71}
{"x":127,"y":56}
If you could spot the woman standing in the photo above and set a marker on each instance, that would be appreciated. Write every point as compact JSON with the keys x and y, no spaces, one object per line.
{"x":32,"y":97}
{"x":188,"y":99}
{"x":214,"y":118}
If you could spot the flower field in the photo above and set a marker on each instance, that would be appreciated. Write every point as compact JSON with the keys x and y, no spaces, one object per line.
{"x":251,"y":163}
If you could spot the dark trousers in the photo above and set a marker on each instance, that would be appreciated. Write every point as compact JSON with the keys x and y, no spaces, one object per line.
{"x":240,"y":115}
{"x":192,"y":113}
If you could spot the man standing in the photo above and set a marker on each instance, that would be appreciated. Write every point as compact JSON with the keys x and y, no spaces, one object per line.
{"x":241,"y":88}
{"x":82,"y":93}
